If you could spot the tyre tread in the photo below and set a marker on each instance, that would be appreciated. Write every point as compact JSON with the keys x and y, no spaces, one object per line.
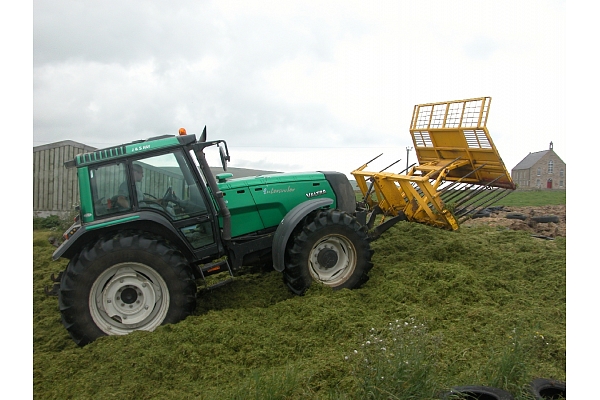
{"x":81,"y":330}
{"x":298,"y":279}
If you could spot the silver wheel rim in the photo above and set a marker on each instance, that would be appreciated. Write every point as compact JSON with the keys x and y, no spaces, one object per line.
{"x":128,"y":297}
{"x":332,"y":260}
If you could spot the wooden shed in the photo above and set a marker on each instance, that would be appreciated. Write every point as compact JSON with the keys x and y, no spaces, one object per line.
{"x":55,"y":188}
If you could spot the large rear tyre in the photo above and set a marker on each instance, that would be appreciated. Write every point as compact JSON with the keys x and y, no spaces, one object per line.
{"x":332,"y":249}
{"x":123,"y":284}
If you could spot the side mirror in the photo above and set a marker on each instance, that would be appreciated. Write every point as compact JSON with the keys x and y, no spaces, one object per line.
{"x":224,"y":157}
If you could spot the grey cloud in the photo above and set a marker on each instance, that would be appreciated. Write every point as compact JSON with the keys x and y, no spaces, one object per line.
{"x":110,"y":72}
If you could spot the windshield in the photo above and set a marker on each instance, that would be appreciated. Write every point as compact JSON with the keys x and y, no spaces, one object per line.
{"x":164,"y":183}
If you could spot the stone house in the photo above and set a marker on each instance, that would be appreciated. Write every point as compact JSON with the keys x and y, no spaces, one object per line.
{"x":541,"y":170}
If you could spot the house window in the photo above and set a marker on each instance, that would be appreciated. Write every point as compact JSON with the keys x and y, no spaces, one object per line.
{"x":562,"y":172}
{"x":550,"y":166}
{"x":538,"y":183}
{"x":539,"y":172}
{"x":561,"y":183}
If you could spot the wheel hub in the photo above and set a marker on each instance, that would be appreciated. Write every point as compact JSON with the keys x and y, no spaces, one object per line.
{"x":332,"y":259}
{"x":129,"y":297}
{"x":327,"y":258}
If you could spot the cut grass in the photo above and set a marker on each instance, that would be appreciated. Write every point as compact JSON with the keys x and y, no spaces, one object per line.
{"x":489,"y":305}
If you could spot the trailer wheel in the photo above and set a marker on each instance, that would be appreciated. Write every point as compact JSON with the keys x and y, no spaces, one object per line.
{"x":542,"y":389}
{"x":332,"y":249}
{"x":123,"y":284}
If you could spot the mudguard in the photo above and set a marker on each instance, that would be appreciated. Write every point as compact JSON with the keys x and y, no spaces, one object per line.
{"x":93,"y":231}
{"x":287,"y":225}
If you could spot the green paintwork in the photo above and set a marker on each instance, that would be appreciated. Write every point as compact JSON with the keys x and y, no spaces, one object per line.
{"x":121,"y":151}
{"x":255,"y":203}
{"x":152,"y":145}
{"x":113,"y":222}
{"x":261,"y":202}
{"x":85,"y":194}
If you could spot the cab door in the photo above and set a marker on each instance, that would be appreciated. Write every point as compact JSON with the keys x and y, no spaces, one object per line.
{"x":168,"y":186}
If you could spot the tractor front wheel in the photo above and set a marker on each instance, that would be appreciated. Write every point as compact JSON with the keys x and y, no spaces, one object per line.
{"x":332,"y":249}
{"x":123,"y":284}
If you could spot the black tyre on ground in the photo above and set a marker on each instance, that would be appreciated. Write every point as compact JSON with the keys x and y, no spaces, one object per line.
{"x":122,"y":284}
{"x":546,"y":218}
{"x":543,"y":389}
{"x":333,"y":249}
{"x":477,"y":393}
{"x":515,"y":215}
{"x":485,"y":213}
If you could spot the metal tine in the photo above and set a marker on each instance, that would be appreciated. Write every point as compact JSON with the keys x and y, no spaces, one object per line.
{"x":460,"y":180}
{"x":406,"y":169}
{"x":503,"y":193}
{"x":371,"y":160}
{"x":474,"y":197}
{"x":370,"y":190}
{"x":394,"y":163}
{"x":460,"y":193}
{"x":499,"y":194}
{"x":480,"y":203}
{"x":471,"y":204}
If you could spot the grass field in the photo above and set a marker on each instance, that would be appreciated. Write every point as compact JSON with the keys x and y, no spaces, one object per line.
{"x":479,"y":306}
{"x":525,"y":198}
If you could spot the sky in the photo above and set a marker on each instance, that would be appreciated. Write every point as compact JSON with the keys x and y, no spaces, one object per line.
{"x":297,"y":85}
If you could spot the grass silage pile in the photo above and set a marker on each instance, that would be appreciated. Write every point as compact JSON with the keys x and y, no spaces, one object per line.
{"x":480,"y":306}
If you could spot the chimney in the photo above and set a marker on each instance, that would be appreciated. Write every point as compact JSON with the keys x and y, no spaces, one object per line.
{"x":551,"y":146}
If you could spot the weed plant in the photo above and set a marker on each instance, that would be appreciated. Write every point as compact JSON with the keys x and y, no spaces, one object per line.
{"x":479,"y":306}
{"x":396,"y":362}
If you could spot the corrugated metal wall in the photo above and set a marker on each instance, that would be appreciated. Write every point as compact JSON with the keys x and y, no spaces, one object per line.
{"x":55,"y":188}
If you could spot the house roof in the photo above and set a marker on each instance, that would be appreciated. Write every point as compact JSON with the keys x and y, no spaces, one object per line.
{"x":531,"y":159}
{"x":63,"y":143}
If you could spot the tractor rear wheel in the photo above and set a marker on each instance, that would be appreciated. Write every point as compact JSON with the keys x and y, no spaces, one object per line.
{"x":332,"y":249}
{"x":122,"y":284}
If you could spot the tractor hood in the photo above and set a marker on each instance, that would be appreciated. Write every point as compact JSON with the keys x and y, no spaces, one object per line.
{"x":261,"y":202}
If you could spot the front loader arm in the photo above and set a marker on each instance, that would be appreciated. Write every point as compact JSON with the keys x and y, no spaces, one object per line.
{"x":460,"y":170}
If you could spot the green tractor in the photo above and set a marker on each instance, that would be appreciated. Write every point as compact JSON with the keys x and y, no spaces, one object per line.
{"x":153,"y":221}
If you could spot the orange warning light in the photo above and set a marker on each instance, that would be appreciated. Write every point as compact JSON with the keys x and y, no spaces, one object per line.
{"x":182,"y":131}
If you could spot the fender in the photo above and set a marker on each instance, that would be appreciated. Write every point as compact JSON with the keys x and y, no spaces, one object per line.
{"x":92,"y":231}
{"x":287,"y":225}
